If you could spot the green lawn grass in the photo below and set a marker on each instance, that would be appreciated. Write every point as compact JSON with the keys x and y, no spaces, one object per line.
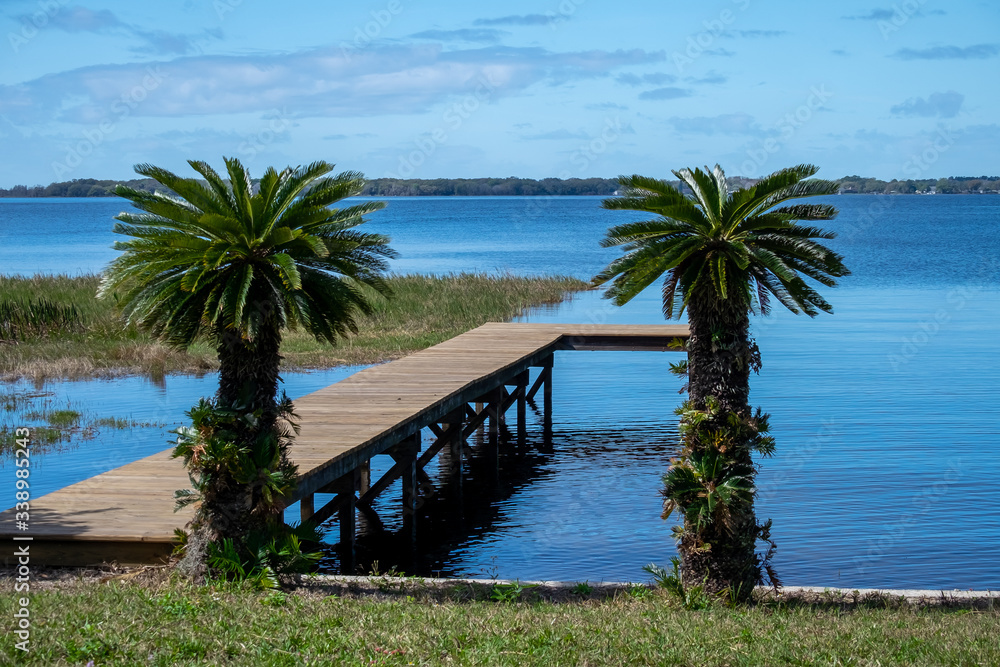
{"x":176,"y":624}
{"x":425,"y":310}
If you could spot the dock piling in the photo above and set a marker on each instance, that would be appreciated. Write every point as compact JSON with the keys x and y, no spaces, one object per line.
{"x":522,"y":408}
{"x":405,"y":455}
{"x":547,"y":398}
{"x":346,"y":487}
{"x":306,"y":507}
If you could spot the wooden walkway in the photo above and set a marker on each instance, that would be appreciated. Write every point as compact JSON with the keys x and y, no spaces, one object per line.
{"x":126,"y":515}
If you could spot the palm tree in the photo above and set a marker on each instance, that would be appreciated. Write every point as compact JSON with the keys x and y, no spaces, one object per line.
{"x":723,"y":255}
{"x":216,"y":260}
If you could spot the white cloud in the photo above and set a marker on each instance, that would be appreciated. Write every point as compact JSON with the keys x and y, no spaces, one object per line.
{"x":77,"y":19}
{"x":486,"y":35}
{"x":950,"y":52}
{"x":668,"y":93}
{"x":378,"y":80}
{"x":652,"y":78}
{"x":82,"y":19}
{"x":524,"y":19}
{"x":940,"y":105}
{"x":756,"y":34}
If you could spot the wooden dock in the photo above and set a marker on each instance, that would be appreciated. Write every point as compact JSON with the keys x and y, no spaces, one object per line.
{"x":452,"y":389}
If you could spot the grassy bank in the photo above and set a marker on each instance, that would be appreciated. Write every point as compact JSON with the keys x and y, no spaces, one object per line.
{"x":171,"y":624}
{"x":67,"y":332}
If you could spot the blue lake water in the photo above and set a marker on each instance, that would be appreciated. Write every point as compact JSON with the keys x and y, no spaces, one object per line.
{"x":885,"y":413}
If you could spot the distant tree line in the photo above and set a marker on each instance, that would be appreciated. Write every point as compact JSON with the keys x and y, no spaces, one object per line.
{"x":484,"y":187}
{"x":81,"y":187}
{"x":948,"y":186}
{"x":514,"y":187}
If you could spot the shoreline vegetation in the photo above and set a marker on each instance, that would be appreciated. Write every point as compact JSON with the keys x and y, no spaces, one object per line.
{"x":525,"y":187}
{"x":150,"y":618}
{"x":74,"y":335}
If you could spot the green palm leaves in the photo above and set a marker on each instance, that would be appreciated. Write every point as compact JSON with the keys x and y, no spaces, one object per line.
{"x":705,"y":484}
{"x":742,"y":245}
{"x":216,"y":454}
{"x":711,"y":476}
{"x":216,"y":256}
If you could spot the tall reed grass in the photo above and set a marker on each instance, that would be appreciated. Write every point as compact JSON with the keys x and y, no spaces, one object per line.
{"x":32,"y":318}
{"x":65,"y":331}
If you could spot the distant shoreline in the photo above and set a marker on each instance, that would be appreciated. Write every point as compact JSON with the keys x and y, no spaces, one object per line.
{"x":886,"y":194}
{"x":523,"y":187}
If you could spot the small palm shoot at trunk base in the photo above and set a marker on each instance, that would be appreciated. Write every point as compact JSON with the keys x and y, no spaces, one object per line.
{"x":723,"y":255}
{"x":221,"y":261}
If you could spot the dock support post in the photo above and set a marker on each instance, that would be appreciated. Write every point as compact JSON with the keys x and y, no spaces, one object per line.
{"x":365,"y":474}
{"x":492,"y":451}
{"x":480,"y":432}
{"x":456,"y":452}
{"x":495,"y":407}
{"x":522,"y":408}
{"x":454,"y":425}
{"x":348,"y":521}
{"x":345,"y":505}
{"x":502,"y":397}
{"x":307,"y":507}
{"x":405,"y":454}
{"x":547,"y":398}
{"x":453,"y":459}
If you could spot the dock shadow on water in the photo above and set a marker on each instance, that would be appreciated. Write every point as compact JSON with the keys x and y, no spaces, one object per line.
{"x":468,"y":524}
{"x":453,"y":510}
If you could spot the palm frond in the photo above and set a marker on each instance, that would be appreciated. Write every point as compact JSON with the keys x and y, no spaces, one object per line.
{"x":187,"y":188}
{"x":241,"y":185}
{"x":744,"y":201}
{"x":723,"y":244}
{"x":706,"y":192}
{"x":810,"y":188}
{"x":220,"y":259}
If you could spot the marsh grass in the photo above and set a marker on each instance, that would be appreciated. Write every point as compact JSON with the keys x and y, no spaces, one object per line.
{"x":122,"y":423}
{"x":58,"y":418}
{"x":425,"y":310}
{"x":175,"y":624}
{"x":44,"y":439}
{"x":52,"y":427}
{"x":33,"y":318}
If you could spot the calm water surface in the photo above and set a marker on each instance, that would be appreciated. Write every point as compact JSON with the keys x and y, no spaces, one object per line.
{"x":885,"y":413}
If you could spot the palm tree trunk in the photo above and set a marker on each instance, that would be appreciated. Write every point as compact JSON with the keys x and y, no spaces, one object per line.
{"x":719,"y":353}
{"x":720,"y":357}
{"x":248,"y":383}
{"x":248,"y":372}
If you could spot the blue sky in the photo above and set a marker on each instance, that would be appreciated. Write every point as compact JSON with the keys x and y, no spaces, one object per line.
{"x":565,"y":88}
